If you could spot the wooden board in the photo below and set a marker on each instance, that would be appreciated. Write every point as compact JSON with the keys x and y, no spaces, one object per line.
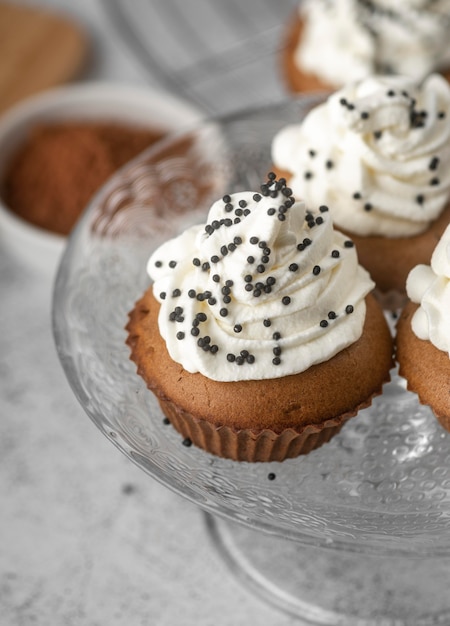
{"x":38,"y":50}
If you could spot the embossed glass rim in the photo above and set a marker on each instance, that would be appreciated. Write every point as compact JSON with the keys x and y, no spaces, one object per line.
{"x":379,"y":487}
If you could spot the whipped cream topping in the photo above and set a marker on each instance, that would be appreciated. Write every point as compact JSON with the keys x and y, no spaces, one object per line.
{"x":377,"y":152}
{"x":347,"y":40}
{"x":265,"y":289}
{"x":429,"y":286}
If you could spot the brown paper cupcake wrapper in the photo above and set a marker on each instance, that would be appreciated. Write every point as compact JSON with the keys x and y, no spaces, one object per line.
{"x":249,"y":445}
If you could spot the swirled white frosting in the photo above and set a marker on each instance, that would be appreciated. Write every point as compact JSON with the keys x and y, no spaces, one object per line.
{"x":429,"y":286}
{"x":347,"y":40}
{"x":265,"y":289}
{"x":377,"y":151}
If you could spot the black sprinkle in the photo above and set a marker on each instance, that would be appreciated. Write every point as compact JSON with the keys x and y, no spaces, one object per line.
{"x":271,"y":476}
{"x":172,"y":264}
{"x":349,"y":243}
{"x":180,"y":335}
{"x":237,"y":328}
{"x":196,"y":262}
{"x":349,"y":309}
{"x":368,"y":206}
{"x":176,"y":293}
{"x":187,"y":442}
{"x":435,"y":181}
{"x":231,"y":358}
{"x":323,"y":208}
{"x":316,"y":270}
{"x":162,"y":295}
{"x":286,"y":300}
{"x":267,"y":323}
{"x":332,"y":315}
{"x":166,"y":421}
{"x":192,"y":293}
{"x":276,"y":360}
{"x":293,"y":267}
{"x":434,"y":163}
{"x":323,"y":323}
{"x":357,"y":195}
{"x":420,"y":199}
{"x":223,"y":312}
{"x":364,"y":115}
{"x":335,"y":254}
{"x":254,"y":240}
{"x":226,"y":198}
{"x":329,"y":164}
{"x":158,"y":263}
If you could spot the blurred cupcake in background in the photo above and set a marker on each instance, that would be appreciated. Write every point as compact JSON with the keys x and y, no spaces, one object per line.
{"x":377,"y":153}
{"x":332,"y":42}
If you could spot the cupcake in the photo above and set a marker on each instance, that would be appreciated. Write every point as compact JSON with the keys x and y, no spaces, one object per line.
{"x":423,"y":332}
{"x":259,"y":335}
{"x":377,"y":152}
{"x":331,"y":42}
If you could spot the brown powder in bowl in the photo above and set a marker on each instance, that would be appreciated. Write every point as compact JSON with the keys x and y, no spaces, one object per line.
{"x":54,"y":174}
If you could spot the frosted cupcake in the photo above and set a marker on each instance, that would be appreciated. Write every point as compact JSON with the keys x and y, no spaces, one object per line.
{"x":423,"y":332}
{"x":378,"y":153}
{"x":332,"y":42}
{"x":259,"y":335}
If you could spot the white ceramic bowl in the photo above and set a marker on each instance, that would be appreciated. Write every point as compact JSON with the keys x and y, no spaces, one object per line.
{"x":138,"y":105}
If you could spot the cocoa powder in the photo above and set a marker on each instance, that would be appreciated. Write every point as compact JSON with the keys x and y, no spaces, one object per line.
{"x":54,"y":174}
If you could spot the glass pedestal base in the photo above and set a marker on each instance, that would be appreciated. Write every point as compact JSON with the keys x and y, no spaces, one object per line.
{"x":330,"y":587}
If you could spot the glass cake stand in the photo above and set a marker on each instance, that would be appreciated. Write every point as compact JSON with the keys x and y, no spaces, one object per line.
{"x":356,"y":533}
